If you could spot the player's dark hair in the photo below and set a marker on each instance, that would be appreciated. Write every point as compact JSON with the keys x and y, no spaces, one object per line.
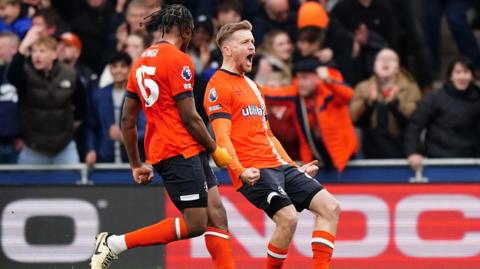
{"x":168,"y":17}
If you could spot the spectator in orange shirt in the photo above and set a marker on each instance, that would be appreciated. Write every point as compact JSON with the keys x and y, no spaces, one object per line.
{"x":323,"y":122}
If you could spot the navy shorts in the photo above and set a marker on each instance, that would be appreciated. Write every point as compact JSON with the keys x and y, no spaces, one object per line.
{"x":187,"y":180}
{"x":280,"y":187}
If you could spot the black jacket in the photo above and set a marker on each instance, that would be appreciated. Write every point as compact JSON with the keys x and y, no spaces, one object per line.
{"x":49,"y":103}
{"x":450,"y":117}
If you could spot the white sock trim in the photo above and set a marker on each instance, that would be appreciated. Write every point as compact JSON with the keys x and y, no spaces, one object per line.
{"x":323,"y":241}
{"x":224,"y":236}
{"x":276,"y":255}
{"x":117,"y":243}
{"x":177,"y":228}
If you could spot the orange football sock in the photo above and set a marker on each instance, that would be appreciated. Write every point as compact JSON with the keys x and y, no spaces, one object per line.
{"x":322,"y":247}
{"x":163,"y":232}
{"x":218,"y":245}
{"x":275,"y":257}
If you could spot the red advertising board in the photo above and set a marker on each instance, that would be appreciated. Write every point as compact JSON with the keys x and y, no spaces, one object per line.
{"x":390,"y":226}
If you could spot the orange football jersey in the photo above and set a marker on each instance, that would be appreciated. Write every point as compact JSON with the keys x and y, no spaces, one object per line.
{"x":162,"y":75}
{"x":236,"y":97}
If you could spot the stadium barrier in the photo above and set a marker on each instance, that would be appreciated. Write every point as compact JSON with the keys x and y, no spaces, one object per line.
{"x":391,"y":218}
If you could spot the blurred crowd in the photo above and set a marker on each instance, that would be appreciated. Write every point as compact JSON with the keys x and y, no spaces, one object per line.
{"x":343,"y":79}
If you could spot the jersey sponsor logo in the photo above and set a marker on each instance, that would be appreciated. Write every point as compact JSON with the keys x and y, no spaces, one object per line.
{"x":214,"y":108}
{"x":187,"y":86}
{"x":253,"y":110}
{"x":186,"y":73}
{"x":212,"y":95}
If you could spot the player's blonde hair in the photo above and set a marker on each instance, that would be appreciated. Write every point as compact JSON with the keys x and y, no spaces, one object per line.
{"x":227,"y":30}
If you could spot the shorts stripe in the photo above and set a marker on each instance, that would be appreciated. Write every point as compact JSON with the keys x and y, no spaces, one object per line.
{"x":270,"y":196}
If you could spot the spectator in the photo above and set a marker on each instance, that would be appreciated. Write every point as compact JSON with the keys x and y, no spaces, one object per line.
{"x":104,"y":138}
{"x":136,"y":11}
{"x":274,"y":14}
{"x":136,"y":43}
{"x":33,"y":6}
{"x":9,"y":134}
{"x":371,"y":23}
{"x":456,"y":11}
{"x":323,"y":122}
{"x":310,"y":41}
{"x":51,"y":101}
{"x":325,"y":38}
{"x":367,"y":16}
{"x":450,"y":117}
{"x":13,"y":19}
{"x":276,"y":56}
{"x":69,"y":50}
{"x":134,"y":46}
{"x":382,"y":106}
{"x":95,"y":26}
{"x":50,"y":22}
{"x":202,"y":43}
{"x":412,"y":43}
{"x":228,"y":11}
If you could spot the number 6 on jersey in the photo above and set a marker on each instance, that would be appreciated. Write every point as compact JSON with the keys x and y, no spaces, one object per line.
{"x":144,"y":83}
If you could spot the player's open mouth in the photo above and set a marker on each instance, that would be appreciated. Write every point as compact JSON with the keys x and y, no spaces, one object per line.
{"x":250,"y":58}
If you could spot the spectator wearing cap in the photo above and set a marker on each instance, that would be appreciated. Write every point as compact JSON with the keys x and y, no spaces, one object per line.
{"x":450,"y":116}
{"x":323,"y":37}
{"x":382,"y":106}
{"x":13,"y":18}
{"x":52,"y":101}
{"x":104,"y":139}
{"x":10,"y":143}
{"x":69,"y":50}
{"x":325,"y":129}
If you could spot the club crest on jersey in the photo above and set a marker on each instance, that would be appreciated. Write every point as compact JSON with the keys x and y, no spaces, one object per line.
{"x":186,"y":73}
{"x":252,"y":110}
{"x":212,"y":95}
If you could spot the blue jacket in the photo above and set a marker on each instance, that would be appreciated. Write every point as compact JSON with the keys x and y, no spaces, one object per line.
{"x":100,"y":117}
{"x":20,"y":26}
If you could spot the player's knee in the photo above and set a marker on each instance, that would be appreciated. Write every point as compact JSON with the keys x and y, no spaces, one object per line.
{"x":332,"y":210}
{"x":288,"y":220}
